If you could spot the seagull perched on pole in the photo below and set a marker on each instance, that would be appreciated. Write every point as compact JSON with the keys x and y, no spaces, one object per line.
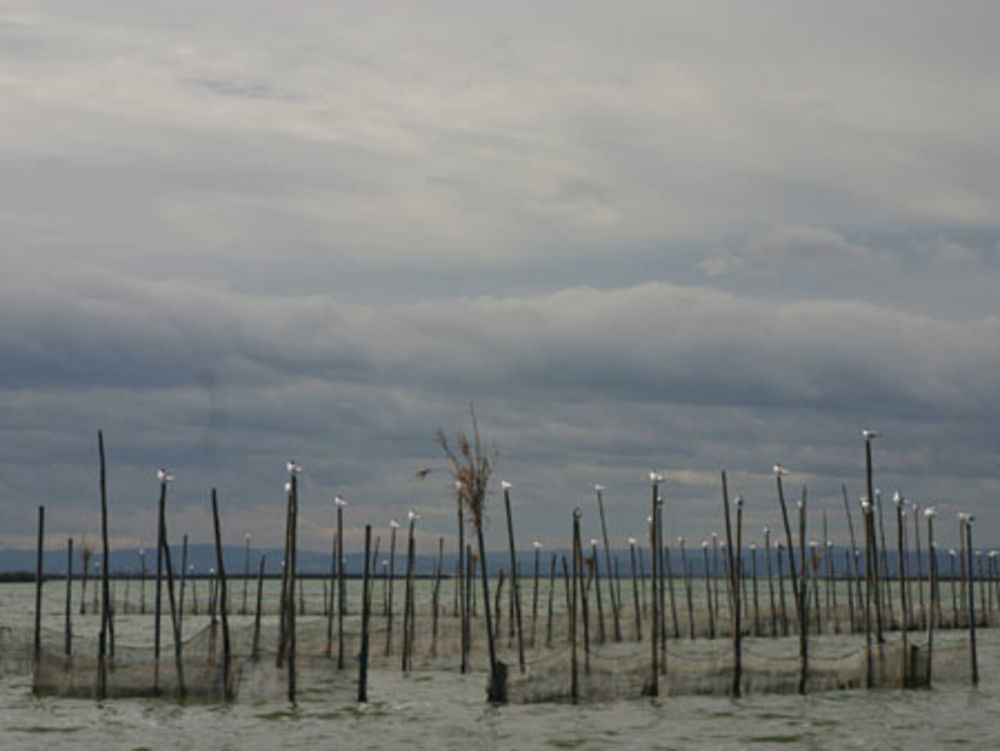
{"x":536,"y":545}
{"x":394,"y":524}
{"x":778,"y":470}
{"x":163,"y":476}
{"x":869,"y":434}
{"x":599,"y":488}
{"x":505,"y":485}
{"x":293,"y":467}
{"x":338,"y":501}
{"x":412,"y":515}
{"x":655,"y":476}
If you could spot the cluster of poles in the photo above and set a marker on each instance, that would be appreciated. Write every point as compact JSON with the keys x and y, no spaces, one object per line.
{"x":806,"y":565}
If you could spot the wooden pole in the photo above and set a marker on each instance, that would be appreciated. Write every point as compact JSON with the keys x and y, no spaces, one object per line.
{"x":365,"y":615}
{"x":734,"y":597}
{"x":708,"y":590}
{"x":601,"y":634}
{"x":408,"y":595}
{"x":653,"y":686}
{"x":770,"y":581}
{"x":552,"y":593}
{"x":929,"y":513}
{"x":853,"y":570}
{"x":781,"y":587}
{"x":392,"y":586}
{"x":574,"y":679}
{"x":255,"y":649}
{"x":38,"y":587}
{"x":615,"y":599}
{"x":68,"y":628}
{"x":901,"y":578}
{"x":227,"y":671}
{"x":341,"y":599}
{"x":635,"y":591}
{"x":436,"y":595}
{"x":803,"y":593}
{"x":515,"y":591}
{"x":534,"y":593}
{"x":967,"y":523}
{"x":174,"y":617}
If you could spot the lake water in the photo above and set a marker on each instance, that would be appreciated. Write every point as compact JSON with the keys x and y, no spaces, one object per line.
{"x":436,"y":709}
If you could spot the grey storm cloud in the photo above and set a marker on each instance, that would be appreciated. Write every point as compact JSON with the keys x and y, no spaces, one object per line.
{"x":658,"y":235}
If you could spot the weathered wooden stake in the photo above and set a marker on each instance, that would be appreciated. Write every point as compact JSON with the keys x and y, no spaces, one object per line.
{"x":615,"y":598}
{"x":365,"y":615}
{"x":515,"y":591}
{"x":227,"y":669}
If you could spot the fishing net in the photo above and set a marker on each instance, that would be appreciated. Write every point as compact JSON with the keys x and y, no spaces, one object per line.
{"x":606,"y":669}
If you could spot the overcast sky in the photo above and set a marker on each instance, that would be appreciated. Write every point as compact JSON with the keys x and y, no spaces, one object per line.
{"x":691,"y":236}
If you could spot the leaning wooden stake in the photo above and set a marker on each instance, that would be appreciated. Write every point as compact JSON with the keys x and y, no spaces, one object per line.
{"x":341,"y":599}
{"x":615,"y":598}
{"x":515,"y":591}
{"x":227,"y":669}
{"x":574,"y":674}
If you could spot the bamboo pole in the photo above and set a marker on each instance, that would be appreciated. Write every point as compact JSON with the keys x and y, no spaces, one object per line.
{"x":436,"y":596}
{"x":408,"y":593}
{"x":770,"y":581}
{"x":872,"y":563}
{"x":853,"y":570}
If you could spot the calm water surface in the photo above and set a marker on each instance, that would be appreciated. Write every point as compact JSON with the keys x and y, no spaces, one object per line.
{"x":436,"y":710}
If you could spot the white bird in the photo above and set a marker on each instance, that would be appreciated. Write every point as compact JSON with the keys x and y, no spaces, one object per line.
{"x":869,"y":434}
{"x":292,"y":467}
{"x":655,"y":476}
{"x":753,"y":546}
{"x":738,"y":501}
{"x":829,"y":544}
{"x":680,"y":540}
{"x":779,"y":470}
{"x":865,"y":504}
{"x":338,"y":501}
{"x":632,"y":541}
{"x":992,"y":554}
{"x":505,"y":485}
{"x":163,"y":476}
{"x":536,"y":545}
{"x":599,"y":488}
{"x":412,"y":515}
{"x":930,"y":512}
{"x":394,"y":524}
{"x":715,"y":535}
{"x":288,"y":487}
{"x":459,"y":484}
{"x":897,"y":497}
{"x":594,"y":542}
{"x":767,"y":530}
